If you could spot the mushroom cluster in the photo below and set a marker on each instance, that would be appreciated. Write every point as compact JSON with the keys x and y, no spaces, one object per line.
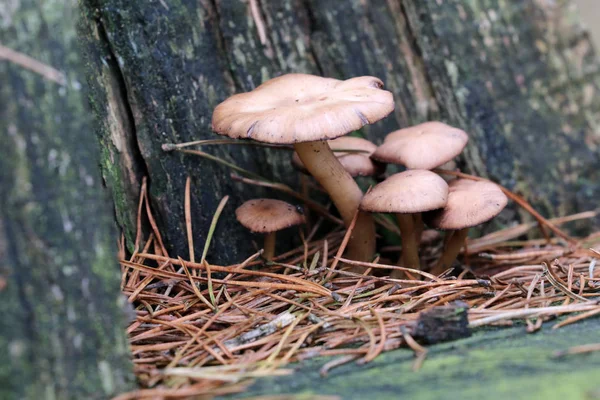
{"x":314,"y":114}
{"x":418,"y":191}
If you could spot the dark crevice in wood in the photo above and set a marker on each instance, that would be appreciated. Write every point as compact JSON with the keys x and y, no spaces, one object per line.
{"x":411,"y":39}
{"x":131,"y":164}
{"x":312,"y":22}
{"x":236,"y":81}
{"x":117,"y":73}
{"x":418,"y":20}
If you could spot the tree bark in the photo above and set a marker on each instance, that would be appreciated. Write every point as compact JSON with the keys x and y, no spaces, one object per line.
{"x":62,"y":331}
{"x":520,"y":77}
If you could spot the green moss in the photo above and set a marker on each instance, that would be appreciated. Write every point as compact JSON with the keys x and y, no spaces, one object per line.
{"x":492,"y":364}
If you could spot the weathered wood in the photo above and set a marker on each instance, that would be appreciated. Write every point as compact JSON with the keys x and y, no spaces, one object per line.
{"x":62,"y":331}
{"x":519,"y":76}
{"x":522,"y":78}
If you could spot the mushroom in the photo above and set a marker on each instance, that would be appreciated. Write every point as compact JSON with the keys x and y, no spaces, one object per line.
{"x":268,"y":216}
{"x":470,"y":203}
{"x":408,"y":193}
{"x":356,"y":163}
{"x":424,"y":146}
{"x":307,"y":111}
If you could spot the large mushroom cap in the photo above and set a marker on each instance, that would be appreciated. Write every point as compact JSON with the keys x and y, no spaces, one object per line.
{"x":423,"y":146}
{"x":302,"y":108}
{"x":470,"y":203}
{"x":411,"y":191}
{"x":357,"y":164}
{"x":268,"y":215}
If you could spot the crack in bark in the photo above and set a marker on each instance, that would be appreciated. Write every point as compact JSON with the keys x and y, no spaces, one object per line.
{"x":231,"y":76}
{"x":123,"y":99}
{"x":312,"y":22}
{"x":417,"y":52}
{"x":120,"y":126}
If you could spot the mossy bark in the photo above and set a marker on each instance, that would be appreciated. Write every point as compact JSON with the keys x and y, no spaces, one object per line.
{"x":62,"y":331}
{"x":520,"y":77}
{"x":493,"y":364}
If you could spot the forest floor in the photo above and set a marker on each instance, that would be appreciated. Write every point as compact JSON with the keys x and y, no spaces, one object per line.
{"x":314,"y":323}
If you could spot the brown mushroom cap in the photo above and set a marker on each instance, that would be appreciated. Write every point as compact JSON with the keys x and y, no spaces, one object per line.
{"x":302,"y":108}
{"x":470,"y":203}
{"x":268,"y":215}
{"x":357,"y":164}
{"x":424,"y":146}
{"x":411,"y":191}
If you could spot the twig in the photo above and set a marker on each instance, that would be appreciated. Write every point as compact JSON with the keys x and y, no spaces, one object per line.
{"x":194,"y":287}
{"x":343,"y":245}
{"x":313,"y":205}
{"x":379,"y":348}
{"x":583,"y":349}
{"x":260,"y":28}
{"x":212,"y":142}
{"x":324,"y":371}
{"x":280,"y":322}
{"x":188,"y":220}
{"x":33,"y":65}
{"x":577,"y":318}
{"x":518,"y":314}
{"x":213,"y":226}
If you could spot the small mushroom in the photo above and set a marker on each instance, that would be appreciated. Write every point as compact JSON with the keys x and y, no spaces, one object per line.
{"x":356,"y":163}
{"x":470,"y":203}
{"x":268,"y":216}
{"x":424,"y":146}
{"x":407,"y":194}
{"x":307,"y":111}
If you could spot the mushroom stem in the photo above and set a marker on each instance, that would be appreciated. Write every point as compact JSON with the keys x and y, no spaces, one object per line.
{"x":453,"y":246}
{"x":269,"y":246}
{"x":418,"y":218}
{"x":322,"y":164}
{"x":447,"y":237}
{"x":410,"y":247}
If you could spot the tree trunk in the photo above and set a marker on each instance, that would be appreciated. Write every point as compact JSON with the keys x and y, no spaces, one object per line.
{"x":520,"y":77}
{"x":62,"y":331}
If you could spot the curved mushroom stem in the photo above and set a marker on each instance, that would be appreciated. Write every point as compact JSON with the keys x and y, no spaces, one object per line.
{"x":269,"y":246}
{"x":453,"y":246}
{"x":322,"y":164}
{"x":410,"y":247}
